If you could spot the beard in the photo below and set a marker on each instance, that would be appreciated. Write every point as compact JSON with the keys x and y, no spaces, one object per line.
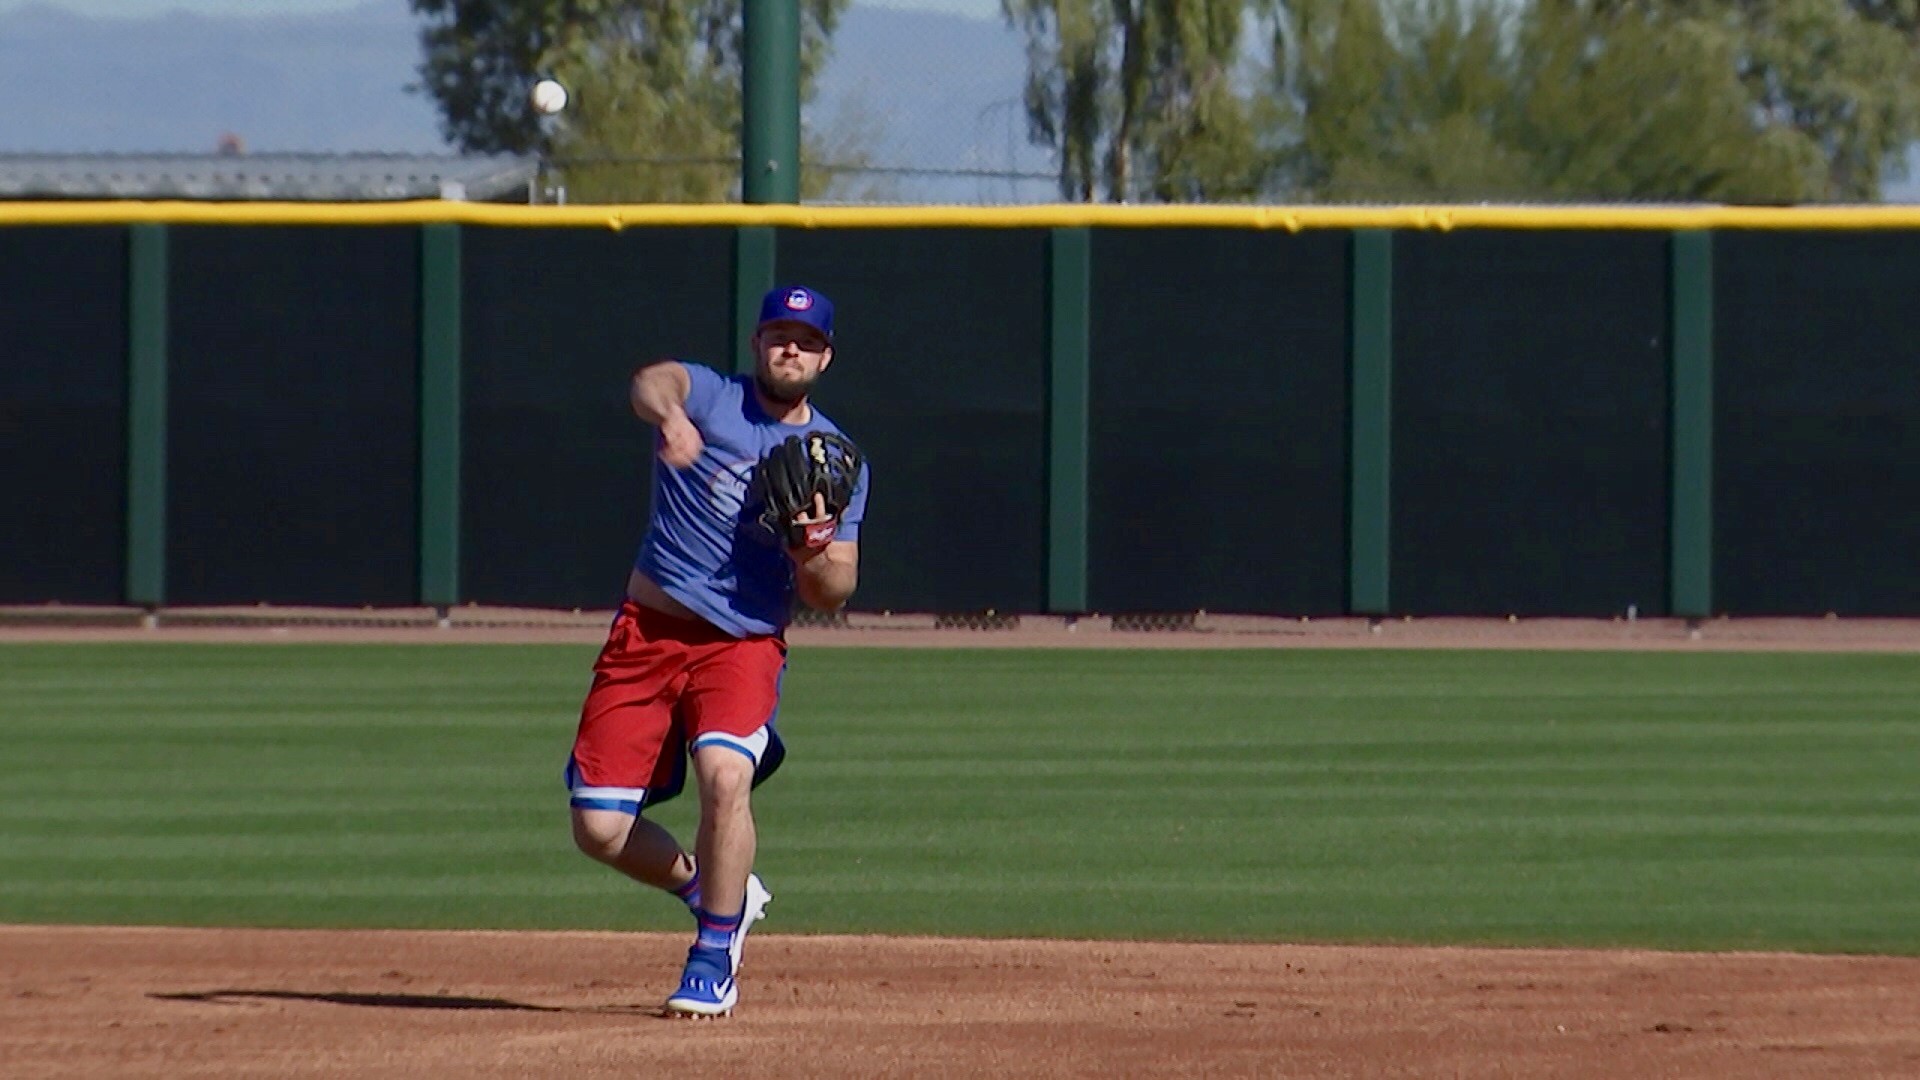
{"x":782,"y":389}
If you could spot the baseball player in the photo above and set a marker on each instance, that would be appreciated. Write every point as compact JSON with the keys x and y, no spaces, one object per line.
{"x":757,"y":499}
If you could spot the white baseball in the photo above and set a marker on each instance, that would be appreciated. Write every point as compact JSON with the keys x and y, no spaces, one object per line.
{"x":548,"y":97}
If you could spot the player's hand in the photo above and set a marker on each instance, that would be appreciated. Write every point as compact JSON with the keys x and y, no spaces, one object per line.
{"x":815,"y":527}
{"x":680,"y":441}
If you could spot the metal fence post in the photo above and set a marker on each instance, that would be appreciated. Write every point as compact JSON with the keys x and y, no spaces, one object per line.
{"x":1691,"y":424}
{"x":146,"y":555}
{"x":1370,"y":345}
{"x":440,"y":310}
{"x":1069,"y":287}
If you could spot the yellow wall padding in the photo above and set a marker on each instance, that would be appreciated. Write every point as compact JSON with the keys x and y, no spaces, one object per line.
{"x":1104,"y":215}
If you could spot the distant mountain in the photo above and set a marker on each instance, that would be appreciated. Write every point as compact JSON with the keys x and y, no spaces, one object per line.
{"x":178,"y":82}
{"x":904,"y":89}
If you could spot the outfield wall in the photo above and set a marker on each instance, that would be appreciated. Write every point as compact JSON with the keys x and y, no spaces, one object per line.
{"x":1413,"y":410}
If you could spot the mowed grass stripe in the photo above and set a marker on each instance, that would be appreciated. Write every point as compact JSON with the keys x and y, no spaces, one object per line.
{"x":1669,"y":800}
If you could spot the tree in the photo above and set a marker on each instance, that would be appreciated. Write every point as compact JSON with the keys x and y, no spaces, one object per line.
{"x":479,"y":58}
{"x":1842,"y":74}
{"x":1200,"y":133}
{"x":1561,"y":99}
{"x":656,"y":108}
{"x":1845,"y":76}
{"x":1832,"y":84}
{"x":655,"y":85}
{"x":1137,"y":97}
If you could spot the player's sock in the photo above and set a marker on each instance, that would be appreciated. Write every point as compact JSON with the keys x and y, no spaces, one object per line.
{"x":716,"y":931}
{"x":690,"y":892}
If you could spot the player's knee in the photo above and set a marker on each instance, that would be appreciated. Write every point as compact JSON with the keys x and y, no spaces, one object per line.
{"x":725,"y":776}
{"x":600,"y":835}
{"x":727,"y":789}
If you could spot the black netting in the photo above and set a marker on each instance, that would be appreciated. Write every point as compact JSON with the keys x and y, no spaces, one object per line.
{"x":1530,"y":461}
{"x":555,"y":468}
{"x":293,"y":430}
{"x":1816,"y":423}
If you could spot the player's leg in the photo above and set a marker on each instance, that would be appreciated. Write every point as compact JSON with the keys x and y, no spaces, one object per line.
{"x":733,"y":897}
{"x":726,"y":842}
{"x":628,"y":745}
{"x":611,"y":831}
{"x":728,"y":704}
{"x":633,"y":845}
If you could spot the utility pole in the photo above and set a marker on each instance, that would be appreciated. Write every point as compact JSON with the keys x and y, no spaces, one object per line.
{"x":769,"y":153}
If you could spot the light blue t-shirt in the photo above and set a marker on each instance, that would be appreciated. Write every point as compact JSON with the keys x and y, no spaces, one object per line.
{"x":704,"y":545}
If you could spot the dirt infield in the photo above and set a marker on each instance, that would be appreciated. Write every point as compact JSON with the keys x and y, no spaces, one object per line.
{"x":151,"y":1002}
{"x":237,"y":1003}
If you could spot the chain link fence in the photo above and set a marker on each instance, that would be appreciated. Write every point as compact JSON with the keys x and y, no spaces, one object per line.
{"x":925,"y":106}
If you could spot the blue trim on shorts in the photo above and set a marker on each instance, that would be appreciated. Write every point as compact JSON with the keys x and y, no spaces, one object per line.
{"x":729,"y":744}
{"x":625,"y":806}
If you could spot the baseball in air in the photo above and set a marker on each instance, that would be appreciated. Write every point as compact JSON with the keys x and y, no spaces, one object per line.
{"x":548,"y":97}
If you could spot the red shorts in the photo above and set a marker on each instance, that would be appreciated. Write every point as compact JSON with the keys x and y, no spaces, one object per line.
{"x":660,"y":684}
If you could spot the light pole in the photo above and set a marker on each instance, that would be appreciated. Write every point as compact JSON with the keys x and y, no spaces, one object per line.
{"x":770,"y":135}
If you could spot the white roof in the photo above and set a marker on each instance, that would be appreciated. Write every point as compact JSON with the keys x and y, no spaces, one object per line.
{"x":277,"y":177}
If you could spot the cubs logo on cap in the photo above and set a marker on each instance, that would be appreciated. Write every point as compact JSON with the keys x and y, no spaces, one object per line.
{"x":797,"y":303}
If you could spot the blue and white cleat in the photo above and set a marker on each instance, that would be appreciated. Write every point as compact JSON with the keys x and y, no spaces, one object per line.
{"x":707,"y":989}
{"x":753,"y":912}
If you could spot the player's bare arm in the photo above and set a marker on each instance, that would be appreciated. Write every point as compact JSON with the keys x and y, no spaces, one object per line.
{"x":825,"y":578}
{"x":659,"y":396}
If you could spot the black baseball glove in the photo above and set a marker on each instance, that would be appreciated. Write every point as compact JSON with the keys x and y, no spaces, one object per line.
{"x":792,"y":473}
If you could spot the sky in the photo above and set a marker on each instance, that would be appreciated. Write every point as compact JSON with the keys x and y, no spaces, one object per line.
{"x":139,"y":8}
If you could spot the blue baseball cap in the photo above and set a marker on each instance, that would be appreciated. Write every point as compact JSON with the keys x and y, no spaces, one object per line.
{"x":797,"y":303}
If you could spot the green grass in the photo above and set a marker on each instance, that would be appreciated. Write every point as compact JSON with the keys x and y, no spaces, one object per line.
{"x":1680,"y":801}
